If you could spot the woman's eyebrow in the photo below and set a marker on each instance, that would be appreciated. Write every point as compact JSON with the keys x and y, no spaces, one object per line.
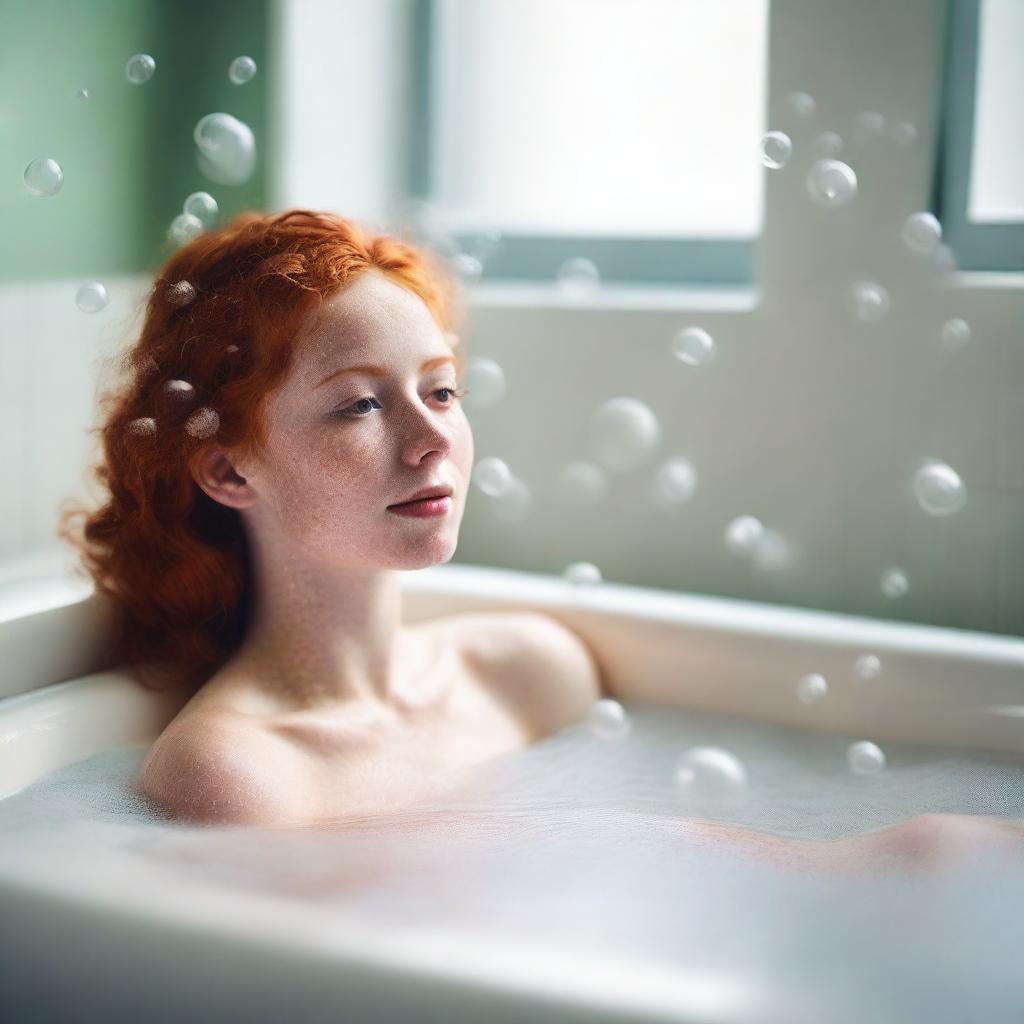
{"x":375,"y":370}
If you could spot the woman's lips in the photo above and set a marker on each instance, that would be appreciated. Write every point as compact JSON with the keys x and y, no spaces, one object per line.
{"x":424,"y":507}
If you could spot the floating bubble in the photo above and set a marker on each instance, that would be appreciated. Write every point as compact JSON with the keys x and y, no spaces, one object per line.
{"x":582,"y":574}
{"x":905,"y":133}
{"x":831,"y":183}
{"x":139,"y":68}
{"x":184,"y":228}
{"x":894,"y":583}
{"x":608,"y":720}
{"x":922,"y":232}
{"x":226,"y":149}
{"x":709,"y":774}
{"x":776,"y":148}
{"x":43,"y":177}
{"x":578,"y":276}
{"x":869,"y":301}
{"x":145,"y":426}
{"x":91,"y":297}
{"x":231,"y":348}
{"x":939,"y":489}
{"x":742,"y":534}
{"x":675,"y":481}
{"x":484,"y":244}
{"x":827,"y":144}
{"x":944,"y":260}
{"x":83,"y":93}
{"x":179,"y":389}
{"x":203,"y":207}
{"x":693,"y":346}
{"x":865,"y":758}
{"x":867,"y":666}
{"x":242,"y":70}
{"x":181,"y":293}
{"x":468,"y":267}
{"x":583,"y":485}
{"x":811,"y":688}
{"x":623,"y":433}
{"x":955,"y":333}
{"x":485,"y":383}
{"x":801,"y":103}
{"x":870,"y":125}
{"x":515,"y":502}
{"x":771,"y":551}
{"x":492,"y":476}
{"x":203,"y":423}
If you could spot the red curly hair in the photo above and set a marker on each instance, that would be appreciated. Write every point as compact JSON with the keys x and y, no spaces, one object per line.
{"x":222,"y":317}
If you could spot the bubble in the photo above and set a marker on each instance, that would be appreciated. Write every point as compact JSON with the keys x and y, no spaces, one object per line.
{"x":742,"y":534}
{"x":776,"y":148}
{"x":91,"y":297}
{"x":811,"y":687}
{"x":242,"y":70}
{"x":709,"y":774}
{"x":955,"y":333}
{"x":181,"y":293}
{"x":904,"y":133}
{"x":869,"y":301}
{"x":145,"y":426}
{"x":226,"y":149}
{"x":867,"y":666}
{"x":831,"y":183}
{"x":582,"y":574}
{"x":203,"y":423}
{"x":944,"y":260}
{"x":870,"y":125}
{"x":515,"y":501}
{"x":484,"y":244}
{"x":675,"y":481}
{"x":583,"y":485}
{"x":801,"y":103}
{"x":179,"y":389}
{"x":939,"y":489}
{"x":492,"y":476}
{"x":578,"y":276}
{"x":184,"y":228}
{"x":608,"y":720}
{"x":231,"y":348}
{"x":865,"y":758}
{"x":43,"y":177}
{"x":203,"y":207}
{"x":827,"y":144}
{"x":139,"y":68}
{"x":485,"y":383}
{"x":468,"y":267}
{"x":894,"y":583}
{"x":623,"y":433}
{"x":693,"y":346}
{"x":771,"y":551}
{"x":83,"y":93}
{"x":922,"y":232}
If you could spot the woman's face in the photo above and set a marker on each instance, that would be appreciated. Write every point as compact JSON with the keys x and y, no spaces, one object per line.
{"x":343,"y":446}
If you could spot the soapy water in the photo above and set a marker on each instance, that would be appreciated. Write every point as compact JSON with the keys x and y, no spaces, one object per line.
{"x":584,"y":845}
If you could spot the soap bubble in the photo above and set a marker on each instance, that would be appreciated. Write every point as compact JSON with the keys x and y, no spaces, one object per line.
{"x":894,"y":583}
{"x":226,"y":149}
{"x":801,"y":103}
{"x":944,"y":260}
{"x":831,"y":183}
{"x":709,"y":774}
{"x":939,"y":489}
{"x":693,"y":346}
{"x":827,"y":144}
{"x":468,"y":267}
{"x":905,"y":133}
{"x":623,"y":433}
{"x":203,"y":207}
{"x":583,"y":485}
{"x":485,"y":383}
{"x":492,"y":476}
{"x":582,"y":574}
{"x":484,"y":244}
{"x":83,"y":93}
{"x":91,"y":297}
{"x":776,"y":148}
{"x":608,"y":720}
{"x":43,"y":177}
{"x":515,"y":502}
{"x":922,"y":232}
{"x":955,"y":333}
{"x":184,"y":228}
{"x":181,"y":293}
{"x":742,"y":534}
{"x":870,"y":125}
{"x":811,"y":687}
{"x":180,"y":389}
{"x":869,"y":301}
{"x":578,"y":276}
{"x":139,"y":68}
{"x":865,"y":758}
{"x":203,"y":423}
{"x":242,"y":70}
{"x":867,"y":666}
{"x":145,"y":426}
{"x":675,"y":481}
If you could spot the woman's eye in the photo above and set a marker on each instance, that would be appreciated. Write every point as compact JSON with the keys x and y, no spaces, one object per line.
{"x":362,"y":407}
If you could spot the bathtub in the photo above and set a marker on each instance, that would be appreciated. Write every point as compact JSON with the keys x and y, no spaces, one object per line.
{"x":128,"y":950}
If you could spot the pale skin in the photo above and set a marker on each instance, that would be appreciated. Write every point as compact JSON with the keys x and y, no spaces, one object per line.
{"x":332,"y":707}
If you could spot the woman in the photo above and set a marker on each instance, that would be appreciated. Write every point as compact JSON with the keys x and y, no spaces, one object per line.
{"x":289,"y":440}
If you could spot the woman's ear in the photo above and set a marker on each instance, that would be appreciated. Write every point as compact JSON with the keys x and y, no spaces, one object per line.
{"x":216,"y":473}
